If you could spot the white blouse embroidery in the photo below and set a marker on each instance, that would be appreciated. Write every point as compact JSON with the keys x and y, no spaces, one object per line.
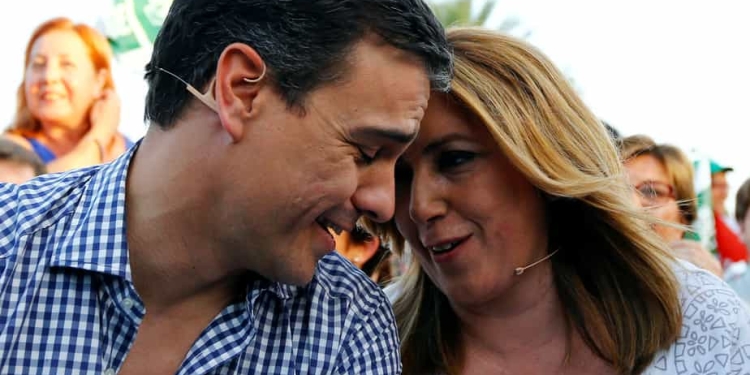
{"x":715,"y":336}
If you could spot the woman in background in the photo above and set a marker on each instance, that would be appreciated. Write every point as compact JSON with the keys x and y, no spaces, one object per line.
{"x":662,"y":176}
{"x":67,"y":111}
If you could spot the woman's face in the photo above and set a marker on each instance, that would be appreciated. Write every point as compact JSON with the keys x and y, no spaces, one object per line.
{"x":61,"y":81}
{"x":470,"y":217}
{"x":655,"y":192}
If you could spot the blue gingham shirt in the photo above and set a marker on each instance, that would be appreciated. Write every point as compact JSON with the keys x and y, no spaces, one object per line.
{"x":68,"y":304}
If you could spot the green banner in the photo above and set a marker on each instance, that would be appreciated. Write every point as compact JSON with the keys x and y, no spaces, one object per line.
{"x":133,"y":25}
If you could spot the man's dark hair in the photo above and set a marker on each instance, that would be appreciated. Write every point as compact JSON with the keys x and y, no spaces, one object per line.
{"x":304,"y":43}
{"x":11,"y":151}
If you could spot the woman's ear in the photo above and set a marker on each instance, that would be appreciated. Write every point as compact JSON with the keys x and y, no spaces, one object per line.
{"x":100,"y":81}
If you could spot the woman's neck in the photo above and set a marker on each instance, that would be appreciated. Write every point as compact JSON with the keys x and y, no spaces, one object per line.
{"x":528,"y":313}
{"x":61,"y":139}
{"x":526,"y":330}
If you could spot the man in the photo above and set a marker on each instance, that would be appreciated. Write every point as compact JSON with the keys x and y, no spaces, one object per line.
{"x":205,"y":249}
{"x":17,"y":164}
{"x":730,"y":246}
{"x":719,"y":193}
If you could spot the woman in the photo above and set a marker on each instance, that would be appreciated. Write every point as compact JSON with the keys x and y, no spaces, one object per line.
{"x":67,"y":110}
{"x":663,"y":179}
{"x":529,"y":255}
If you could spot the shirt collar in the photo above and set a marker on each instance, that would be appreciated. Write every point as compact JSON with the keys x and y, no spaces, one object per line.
{"x":95,"y":237}
{"x":281,"y":291}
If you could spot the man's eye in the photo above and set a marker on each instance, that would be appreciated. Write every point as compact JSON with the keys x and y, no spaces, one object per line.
{"x":366,"y":157}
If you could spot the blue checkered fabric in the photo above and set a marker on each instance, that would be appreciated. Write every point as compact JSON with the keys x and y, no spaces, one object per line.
{"x":68,"y":304}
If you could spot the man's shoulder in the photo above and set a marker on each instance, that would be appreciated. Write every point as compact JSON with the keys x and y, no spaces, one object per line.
{"x":341,"y":279}
{"x":40,"y":202}
{"x":368,"y":332}
{"x":336,"y":278}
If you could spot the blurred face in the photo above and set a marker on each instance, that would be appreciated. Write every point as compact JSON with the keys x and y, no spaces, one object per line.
{"x":719,"y":190}
{"x":14,"y":172}
{"x":469,"y":215}
{"x":324,"y":169}
{"x":745,"y":229}
{"x":655,"y":192}
{"x":61,"y":82}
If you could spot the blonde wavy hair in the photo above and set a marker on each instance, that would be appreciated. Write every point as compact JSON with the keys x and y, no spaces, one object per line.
{"x":612,"y":274}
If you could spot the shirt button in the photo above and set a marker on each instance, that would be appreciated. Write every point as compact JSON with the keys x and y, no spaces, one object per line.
{"x":128,"y":304}
{"x":109,"y":371}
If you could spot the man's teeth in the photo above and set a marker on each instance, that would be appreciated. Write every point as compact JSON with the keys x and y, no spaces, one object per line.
{"x":443,"y":248}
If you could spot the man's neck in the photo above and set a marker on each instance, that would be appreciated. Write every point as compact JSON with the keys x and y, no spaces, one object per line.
{"x":172,"y":257}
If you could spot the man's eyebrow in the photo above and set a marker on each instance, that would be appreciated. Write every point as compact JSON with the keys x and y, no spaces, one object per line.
{"x":393,"y":135}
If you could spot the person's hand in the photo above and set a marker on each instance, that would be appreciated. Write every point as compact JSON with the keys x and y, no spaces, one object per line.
{"x":695,"y":253}
{"x":105,"y":118}
{"x":114,"y":149}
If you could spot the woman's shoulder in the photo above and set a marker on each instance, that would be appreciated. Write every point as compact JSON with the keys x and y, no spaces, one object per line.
{"x":715,"y":336}
{"x":698,"y":287}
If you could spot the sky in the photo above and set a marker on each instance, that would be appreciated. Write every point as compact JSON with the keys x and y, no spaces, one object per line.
{"x":678,"y":71}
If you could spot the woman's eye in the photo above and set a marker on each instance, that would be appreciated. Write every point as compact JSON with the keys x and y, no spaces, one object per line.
{"x":452,"y":159}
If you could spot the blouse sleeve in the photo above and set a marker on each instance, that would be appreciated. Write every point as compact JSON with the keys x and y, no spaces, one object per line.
{"x":715,"y":337}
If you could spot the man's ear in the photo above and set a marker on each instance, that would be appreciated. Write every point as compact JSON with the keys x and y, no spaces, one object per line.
{"x":239,"y":76}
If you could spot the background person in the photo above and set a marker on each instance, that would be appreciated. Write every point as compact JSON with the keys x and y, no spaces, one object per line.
{"x":68,"y":111}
